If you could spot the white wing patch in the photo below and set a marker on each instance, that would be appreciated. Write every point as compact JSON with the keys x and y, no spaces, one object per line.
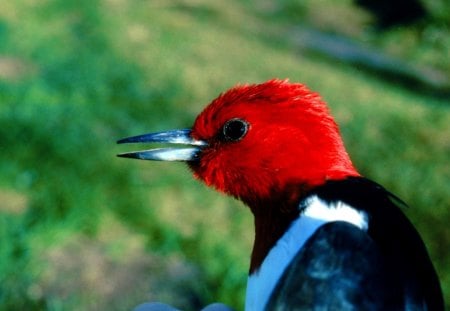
{"x":339,"y":211}
{"x":317,"y":213}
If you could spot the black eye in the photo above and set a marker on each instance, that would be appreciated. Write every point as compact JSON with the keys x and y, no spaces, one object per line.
{"x":234,"y":129}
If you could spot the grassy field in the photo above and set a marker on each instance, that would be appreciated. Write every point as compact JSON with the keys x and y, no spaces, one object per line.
{"x":83,"y":230}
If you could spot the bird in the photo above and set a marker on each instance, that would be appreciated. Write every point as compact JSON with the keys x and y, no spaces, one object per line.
{"x":325,"y":237}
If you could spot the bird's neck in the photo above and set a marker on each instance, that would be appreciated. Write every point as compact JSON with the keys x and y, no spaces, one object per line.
{"x":272,"y":217}
{"x":274,"y":214}
{"x":269,"y":228}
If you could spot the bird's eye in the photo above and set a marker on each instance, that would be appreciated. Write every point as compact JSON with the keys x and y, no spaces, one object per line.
{"x":234,"y":129}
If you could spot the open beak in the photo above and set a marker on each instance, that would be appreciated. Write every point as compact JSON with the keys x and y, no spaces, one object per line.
{"x":182,"y":137}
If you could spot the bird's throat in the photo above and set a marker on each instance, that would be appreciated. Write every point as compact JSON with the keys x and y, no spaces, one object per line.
{"x":270,"y":225}
{"x":272,"y":217}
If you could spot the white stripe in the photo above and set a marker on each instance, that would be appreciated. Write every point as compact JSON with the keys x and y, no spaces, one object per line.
{"x":317,"y":213}
{"x":338,"y":211}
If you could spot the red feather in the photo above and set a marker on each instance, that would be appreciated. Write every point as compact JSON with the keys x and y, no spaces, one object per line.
{"x":292,"y":140}
{"x":292,"y":145}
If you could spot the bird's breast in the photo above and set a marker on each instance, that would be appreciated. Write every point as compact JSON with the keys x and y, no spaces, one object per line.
{"x":316,"y":213}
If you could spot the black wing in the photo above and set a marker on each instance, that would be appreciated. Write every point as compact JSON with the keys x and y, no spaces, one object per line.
{"x":391,"y":258}
{"x":398,"y":241}
{"x":339,"y":268}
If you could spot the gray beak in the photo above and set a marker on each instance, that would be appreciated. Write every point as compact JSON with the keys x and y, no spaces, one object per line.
{"x":182,"y":137}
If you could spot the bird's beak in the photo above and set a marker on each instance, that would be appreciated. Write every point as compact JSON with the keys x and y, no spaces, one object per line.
{"x":182,"y":137}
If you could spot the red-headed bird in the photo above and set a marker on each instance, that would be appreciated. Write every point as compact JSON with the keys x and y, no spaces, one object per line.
{"x":326,"y":238}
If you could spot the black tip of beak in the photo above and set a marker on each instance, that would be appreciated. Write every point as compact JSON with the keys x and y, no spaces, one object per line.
{"x":129,"y":155}
{"x":128,"y":140}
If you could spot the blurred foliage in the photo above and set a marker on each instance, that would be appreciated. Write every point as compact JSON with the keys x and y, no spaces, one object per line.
{"x":424,"y":42}
{"x":77,"y":75}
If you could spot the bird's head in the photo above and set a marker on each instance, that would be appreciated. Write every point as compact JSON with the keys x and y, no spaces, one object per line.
{"x":258,"y":141}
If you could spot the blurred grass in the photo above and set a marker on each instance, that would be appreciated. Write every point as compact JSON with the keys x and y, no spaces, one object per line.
{"x":77,"y":75}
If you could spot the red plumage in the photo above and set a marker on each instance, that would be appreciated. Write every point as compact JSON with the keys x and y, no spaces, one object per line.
{"x":293,"y":144}
{"x":292,"y":140}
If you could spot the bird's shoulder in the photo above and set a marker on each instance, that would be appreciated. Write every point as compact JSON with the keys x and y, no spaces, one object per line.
{"x":389,"y":257}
